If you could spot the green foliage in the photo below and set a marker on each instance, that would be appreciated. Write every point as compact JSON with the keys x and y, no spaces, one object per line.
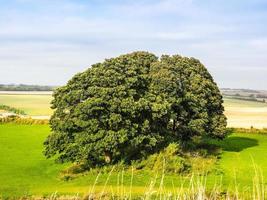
{"x":131,"y":106}
{"x":188,"y":97}
{"x":169,"y":160}
{"x":101,"y":115}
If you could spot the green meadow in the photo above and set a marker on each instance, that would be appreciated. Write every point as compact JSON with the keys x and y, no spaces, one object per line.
{"x":25,"y":171}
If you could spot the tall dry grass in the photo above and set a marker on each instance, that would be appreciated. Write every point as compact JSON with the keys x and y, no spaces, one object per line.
{"x":196,"y":189}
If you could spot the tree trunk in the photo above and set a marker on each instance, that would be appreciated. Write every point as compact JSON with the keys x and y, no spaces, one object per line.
{"x":174,"y":126}
{"x":107,"y":157}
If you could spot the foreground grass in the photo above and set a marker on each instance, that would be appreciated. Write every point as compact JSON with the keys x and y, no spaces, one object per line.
{"x":25,"y":171}
{"x":22,"y":165}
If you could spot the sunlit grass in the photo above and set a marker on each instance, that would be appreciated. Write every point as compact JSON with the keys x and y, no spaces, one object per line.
{"x":25,"y":171}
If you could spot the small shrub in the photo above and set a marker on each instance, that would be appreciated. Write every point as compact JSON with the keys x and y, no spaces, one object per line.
{"x":11,"y":109}
{"x":202,"y":165}
{"x":66,"y":177}
{"x":168,"y":160}
{"x":76,"y":169}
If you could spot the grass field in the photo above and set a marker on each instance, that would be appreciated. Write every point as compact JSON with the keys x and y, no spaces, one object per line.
{"x":31,"y":104}
{"x":25,"y":171}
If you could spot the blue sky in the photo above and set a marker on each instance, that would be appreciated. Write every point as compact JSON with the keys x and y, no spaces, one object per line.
{"x":48,"y":41}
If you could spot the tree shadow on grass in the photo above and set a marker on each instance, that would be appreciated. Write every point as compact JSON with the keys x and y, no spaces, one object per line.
{"x":237,"y":144}
{"x":231,"y":144}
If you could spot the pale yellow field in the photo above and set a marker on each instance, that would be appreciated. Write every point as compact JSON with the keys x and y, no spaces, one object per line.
{"x":239,"y":113}
{"x":31,"y":104}
{"x":245,"y":114}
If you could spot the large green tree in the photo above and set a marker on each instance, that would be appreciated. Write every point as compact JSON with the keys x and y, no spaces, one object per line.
{"x":102,"y":114}
{"x":132,"y":105}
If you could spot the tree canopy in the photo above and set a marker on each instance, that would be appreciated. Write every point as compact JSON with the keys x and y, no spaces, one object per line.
{"x":131,"y":106}
{"x":191,"y":97}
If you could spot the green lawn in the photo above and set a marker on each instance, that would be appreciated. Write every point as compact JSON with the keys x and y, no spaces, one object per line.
{"x":243,"y":156}
{"x":24,"y":170}
{"x":31,"y":104}
{"x":22,"y":165}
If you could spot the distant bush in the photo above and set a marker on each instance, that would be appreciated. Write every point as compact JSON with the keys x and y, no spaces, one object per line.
{"x":11,"y":109}
{"x":168,"y":160}
{"x":261,"y":96}
{"x":20,"y":120}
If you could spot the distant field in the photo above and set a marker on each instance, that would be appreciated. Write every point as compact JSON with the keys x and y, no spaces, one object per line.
{"x":240,"y":113}
{"x":32,"y":104}
{"x":25,"y":171}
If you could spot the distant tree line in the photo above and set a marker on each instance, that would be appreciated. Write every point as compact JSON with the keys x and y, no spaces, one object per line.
{"x":252,"y":97}
{"x":261,"y":96}
{"x":23,"y":87}
{"x":240,"y":90}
